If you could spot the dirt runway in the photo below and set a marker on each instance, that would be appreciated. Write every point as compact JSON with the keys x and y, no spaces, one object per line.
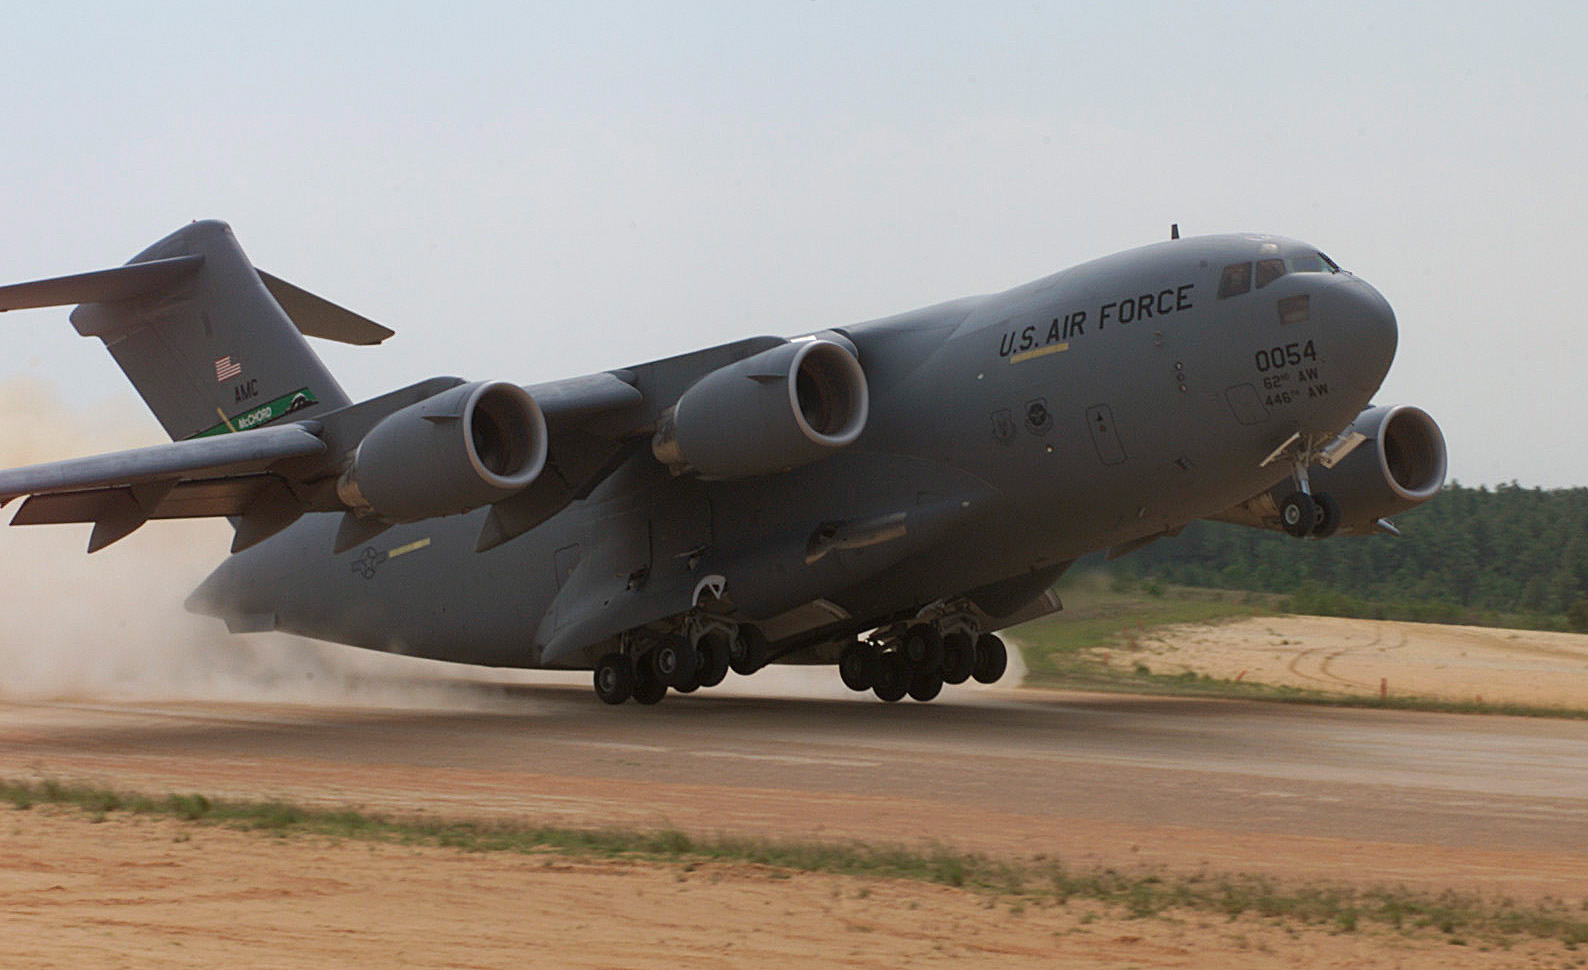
{"x":1486,"y":802}
{"x":1490,"y":804}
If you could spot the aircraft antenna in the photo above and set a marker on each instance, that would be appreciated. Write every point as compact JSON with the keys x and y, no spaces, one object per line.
{"x":1174,"y":230}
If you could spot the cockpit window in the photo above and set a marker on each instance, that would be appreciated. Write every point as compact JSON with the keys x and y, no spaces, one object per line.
{"x":1237,"y":280}
{"x":1269,"y":270}
{"x":1316,"y":263}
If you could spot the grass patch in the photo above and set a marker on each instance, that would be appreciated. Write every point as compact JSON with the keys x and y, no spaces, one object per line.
{"x":1063,"y":651}
{"x":1456,"y":917}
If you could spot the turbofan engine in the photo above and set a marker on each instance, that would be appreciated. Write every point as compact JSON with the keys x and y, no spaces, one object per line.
{"x":781,"y":408}
{"x":1399,"y":466}
{"x":470,"y":446}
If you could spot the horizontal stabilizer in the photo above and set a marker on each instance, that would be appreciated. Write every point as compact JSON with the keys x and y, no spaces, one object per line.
{"x":315,"y":316}
{"x":101,"y":286}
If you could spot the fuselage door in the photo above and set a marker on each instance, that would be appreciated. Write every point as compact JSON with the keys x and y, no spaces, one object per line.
{"x":1101,"y":421}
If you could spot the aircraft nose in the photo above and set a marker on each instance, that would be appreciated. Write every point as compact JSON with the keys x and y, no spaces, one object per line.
{"x":1362,"y":331}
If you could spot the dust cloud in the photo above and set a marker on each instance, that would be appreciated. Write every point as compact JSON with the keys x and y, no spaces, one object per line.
{"x":111,"y":626}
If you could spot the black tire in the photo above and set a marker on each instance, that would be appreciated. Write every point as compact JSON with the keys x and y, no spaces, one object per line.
{"x":923,"y":647}
{"x":673,"y":662}
{"x":744,"y":653}
{"x":925,"y":685}
{"x":855,"y":667}
{"x":992,"y":659}
{"x":893,"y":678}
{"x":712,"y":665}
{"x":959,"y":658}
{"x":648,"y":690}
{"x":1327,"y":521}
{"x":614,"y":678}
{"x":1298,"y":514}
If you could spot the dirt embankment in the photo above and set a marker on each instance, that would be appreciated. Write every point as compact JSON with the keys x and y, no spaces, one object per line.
{"x":1456,"y":663}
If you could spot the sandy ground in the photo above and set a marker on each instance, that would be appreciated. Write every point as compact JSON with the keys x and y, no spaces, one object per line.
{"x":1358,"y":656}
{"x":130,"y":892}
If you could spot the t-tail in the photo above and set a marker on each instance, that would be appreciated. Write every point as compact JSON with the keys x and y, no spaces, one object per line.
{"x":212,"y":344}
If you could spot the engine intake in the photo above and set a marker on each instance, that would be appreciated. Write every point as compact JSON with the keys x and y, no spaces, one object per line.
{"x":779,"y":409}
{"x":470,"y":446}
{"x":1400,"y":466}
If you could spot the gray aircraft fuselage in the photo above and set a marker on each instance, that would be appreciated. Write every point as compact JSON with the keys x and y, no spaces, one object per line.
{"x":1008,"y":435}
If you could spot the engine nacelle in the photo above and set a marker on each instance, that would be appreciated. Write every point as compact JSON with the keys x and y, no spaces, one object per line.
{"x":784,"y":407}
{"x":1400,"y":466}
{"x":467,"y":447}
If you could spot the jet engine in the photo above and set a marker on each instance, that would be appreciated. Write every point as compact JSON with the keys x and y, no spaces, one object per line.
{"x":470,"y":446}
{"x":1399,"y":466}
{"x":781,"y":408}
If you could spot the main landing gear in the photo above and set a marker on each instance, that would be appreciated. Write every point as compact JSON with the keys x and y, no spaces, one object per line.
{"x":673,"y":661}
{"x":918,"y":662}
{"x":913,"y":661}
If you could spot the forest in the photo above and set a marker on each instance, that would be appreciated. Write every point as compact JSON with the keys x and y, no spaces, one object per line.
{"x":1508,"y":556}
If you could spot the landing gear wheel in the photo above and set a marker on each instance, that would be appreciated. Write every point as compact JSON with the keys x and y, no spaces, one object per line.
{"x":648,"y":690}
{"x":855,"y":666}
{"x":712,"y":665}
{"x":1327,"y":519}
{"x":744,"y":653}
{"x":614,"y":678}
{"x":923,"y":647}
{"x":673,"y":661}
{"x":959,"y":658}
{"x":925,"y":685}
{"x":893,"y":677}
{"x":991,"y":659}
{"x":1299,"y":514}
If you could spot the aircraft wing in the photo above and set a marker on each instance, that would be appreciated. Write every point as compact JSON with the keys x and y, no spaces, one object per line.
{"x":266,"y":477}
{"x":198,"y":328}
{"x":119,"y":491}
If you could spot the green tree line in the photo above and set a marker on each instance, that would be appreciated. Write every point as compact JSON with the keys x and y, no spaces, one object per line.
{"x":1509,"y":556}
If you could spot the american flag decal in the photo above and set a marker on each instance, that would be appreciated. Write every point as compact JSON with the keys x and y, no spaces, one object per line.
{"x":226,"y":369}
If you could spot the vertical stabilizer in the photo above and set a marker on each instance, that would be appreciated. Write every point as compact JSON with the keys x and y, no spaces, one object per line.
{"x":211,"y":352}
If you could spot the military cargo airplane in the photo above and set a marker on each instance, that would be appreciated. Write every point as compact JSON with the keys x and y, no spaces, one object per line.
{"x":881,"y":497}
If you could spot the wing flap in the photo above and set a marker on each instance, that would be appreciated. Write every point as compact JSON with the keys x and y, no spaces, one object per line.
{"x":117,"y":512}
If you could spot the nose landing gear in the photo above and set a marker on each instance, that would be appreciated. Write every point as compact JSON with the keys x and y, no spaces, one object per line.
{"x":1304,"y":513}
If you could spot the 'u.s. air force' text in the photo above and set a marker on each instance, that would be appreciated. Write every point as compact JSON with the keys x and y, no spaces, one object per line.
{"x":1034,"y":338}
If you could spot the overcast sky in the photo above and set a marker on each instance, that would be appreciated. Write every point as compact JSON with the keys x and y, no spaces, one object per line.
{"x":533,"y":191}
